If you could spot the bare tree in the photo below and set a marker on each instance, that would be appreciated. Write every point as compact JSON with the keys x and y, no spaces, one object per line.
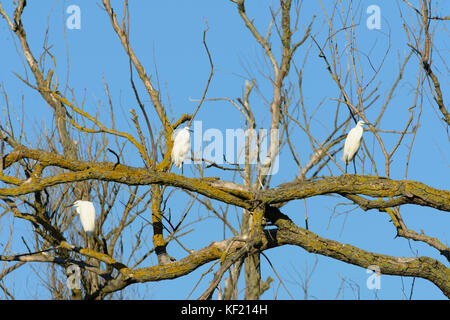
{"x":85,"y":156}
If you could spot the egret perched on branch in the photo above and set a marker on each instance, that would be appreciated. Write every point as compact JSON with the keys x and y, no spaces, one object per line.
{"x":181,"y":146}
{"x":352,"y":144}
{"x":86,"y":211}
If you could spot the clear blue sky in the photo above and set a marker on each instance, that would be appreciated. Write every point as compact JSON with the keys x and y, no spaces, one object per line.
{"x":167,"y":38}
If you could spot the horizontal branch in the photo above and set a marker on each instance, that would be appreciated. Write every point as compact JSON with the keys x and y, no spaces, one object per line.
{"x":411,"y":192}
{"x":108,"y":171}
{"x":45,"y":258}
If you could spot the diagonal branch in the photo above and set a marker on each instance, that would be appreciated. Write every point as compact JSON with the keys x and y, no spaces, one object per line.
{"x":422,"y":267}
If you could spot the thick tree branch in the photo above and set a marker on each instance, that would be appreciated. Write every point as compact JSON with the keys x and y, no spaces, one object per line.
{"x":411,"y":192}
{"x":422,"y":267}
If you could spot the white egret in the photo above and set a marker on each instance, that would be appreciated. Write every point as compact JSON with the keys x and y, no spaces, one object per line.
{"x":86,"y":211}
{"x":352,"y":144}
{"x":181,"y":146}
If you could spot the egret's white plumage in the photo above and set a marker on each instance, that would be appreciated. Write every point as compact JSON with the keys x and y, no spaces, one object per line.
{"x":352,"y":144}
{"x":181,"y":146}
{"x":86,"y":211}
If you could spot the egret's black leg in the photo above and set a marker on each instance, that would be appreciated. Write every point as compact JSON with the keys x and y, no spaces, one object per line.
{"x":346,"y":167}
{"x":182,"y":170}
{"x":354,"y":166}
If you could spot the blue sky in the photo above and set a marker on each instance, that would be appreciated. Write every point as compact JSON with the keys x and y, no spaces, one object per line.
{"x":167,"y":38}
